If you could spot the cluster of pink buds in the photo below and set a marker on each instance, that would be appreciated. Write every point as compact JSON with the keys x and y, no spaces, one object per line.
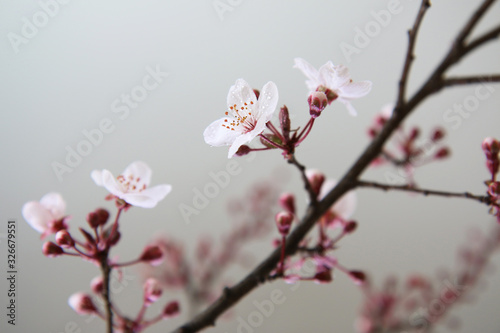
{"x":320,"y":252}
{"x":84,"y":304}
{"x":408,"y":152}
{"x":491,"y":148}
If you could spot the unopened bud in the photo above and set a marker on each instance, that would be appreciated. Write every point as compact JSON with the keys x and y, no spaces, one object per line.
{"x":152,"y":291}
{"x":323,"y":275}
{"x":316,"y":180}
{"x":285,"y":122}
{"x":52,"y":250}
{"x":287,"y":201}
{"x":283,"y":222}
{"x":97,"y":285}
{"x":442,"y":153}
{"x":438,"y":134}
{"x":171,"y":310}
{"x":257,"y":93}
{"x":358,"y":277}
{"x":98,"y":217}
{"x":152,"y":255}
{"x":491,"y":145}
{"x":350,"y":226}
{"x":82,"y":304}
{"x":317,"y":103}
{"x":414,"y":133}
{"x":63,"y":238}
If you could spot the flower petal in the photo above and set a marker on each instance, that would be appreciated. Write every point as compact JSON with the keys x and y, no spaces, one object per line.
{"x":310,"y":72}
{"x":37,"y":216}
{"x":96,"y":176}
{"x":138,"y":169}
{"x":350,"y":108}
{"x":55,"y":204}
{"x":241,"y":140}
{"x":147,"y":198}
{"x":335,"y":76}
{"x":268,"y":100}
{"x":240,"y":93}
{"x":216,"y":135}
{"x":356,"y":89}
{"x":345,"y":206}
{"x":109,"y":182}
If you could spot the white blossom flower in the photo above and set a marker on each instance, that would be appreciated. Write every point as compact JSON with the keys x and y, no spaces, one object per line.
{"x":46,"y":216}
{"x":132,"y":185}
{"x":245,"y":118}
{"x":333,"y":79}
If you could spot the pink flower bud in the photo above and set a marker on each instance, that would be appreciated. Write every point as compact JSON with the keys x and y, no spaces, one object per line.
{"x":491,"y":145}
{"x":152,"y":254}
{"x":323,"y":275}
{"x":97,"y":285}
{"x":358,"y":277}
{"x":442,"y":153}
{"x":63,"y":238}
{"x":317,"y":103}
{"x":152,"y":291}
{"x":287,"y":202}
{"x":283,"y":222}
{"x":52,"y":250}
{"x":350,"y":226}
{"x":438,"y":134}
{"x":98,"y":217}
{"x":257,"y":93}
{"x":414,"y":133}
{"x":284,"y":118}
{"x":316,"y":179}
{"x":82,"y":304}
{"x":171,"y":310}
{"x":494,"y":189}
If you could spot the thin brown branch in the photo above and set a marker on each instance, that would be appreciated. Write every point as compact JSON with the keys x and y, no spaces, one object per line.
{"x":106,"y":274}
{"x":455,"y":81}
{"x":492,"y":34}
{"x":312,"y":196}
{"x":426,"y":192}
{"x":260,"y":274}
{"x":412,"y":38}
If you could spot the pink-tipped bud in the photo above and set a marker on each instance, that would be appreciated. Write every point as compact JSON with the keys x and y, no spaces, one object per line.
{"x":152,"y":254}
{"x":492,"y":146}
{"x":358,"y":277}
{"x":438,"y":134}
{"x":330,"y":95}
{"x":316,"y":180}
{"x":97,"y":285}
{"x":243,"y":150}
{"x":52,"y":250}
{"x":63,"y":238}
{"x":442,"y":153}
{"x":350,"y":226}
{"x":82,"y":304}
{"x":152,"y":291}
{"x":98,"y":217}
{"x":172,"y":309}
{"x":323,"y":275}
{"x":257,"y":93}
{"x":283,"y":222}
{"x":494,"y":189}
{"x":287,"y":202}
{"x":414,"y":133}
{"x":317,"y":103}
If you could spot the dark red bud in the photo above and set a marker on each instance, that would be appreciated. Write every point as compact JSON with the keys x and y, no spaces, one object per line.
{"x":171,"y":310}
{"x":442,"y":153}
{"x":283,"y":222}
{"x":438,"y":134}
{"x":243,"y":150}
{"x":350,"y":226}
{"x":52,"y":250}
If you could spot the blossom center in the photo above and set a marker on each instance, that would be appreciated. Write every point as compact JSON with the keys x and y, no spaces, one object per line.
{"x":131,"y":183}
{"x":242,"y":118}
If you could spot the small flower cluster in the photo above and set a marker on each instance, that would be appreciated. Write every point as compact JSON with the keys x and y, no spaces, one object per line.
{"x":128,"y":189}
{"x":408,"y":153}
{"x":337,"y":217}
{"x":83,"y":304}
{"x":491,"y":148}
{"x":249,"y":111}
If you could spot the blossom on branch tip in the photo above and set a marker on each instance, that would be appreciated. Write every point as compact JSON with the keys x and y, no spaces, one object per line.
{"x":46,"y":216}
{"x":132,"y":185}
{"x":245,"y":118}
{"x":334,"y":81}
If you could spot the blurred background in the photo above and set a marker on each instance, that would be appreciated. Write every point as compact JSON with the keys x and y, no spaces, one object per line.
{"x":67,"y":67}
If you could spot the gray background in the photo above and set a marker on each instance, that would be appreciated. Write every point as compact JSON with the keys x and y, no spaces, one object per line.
{"x":66,"y":77}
